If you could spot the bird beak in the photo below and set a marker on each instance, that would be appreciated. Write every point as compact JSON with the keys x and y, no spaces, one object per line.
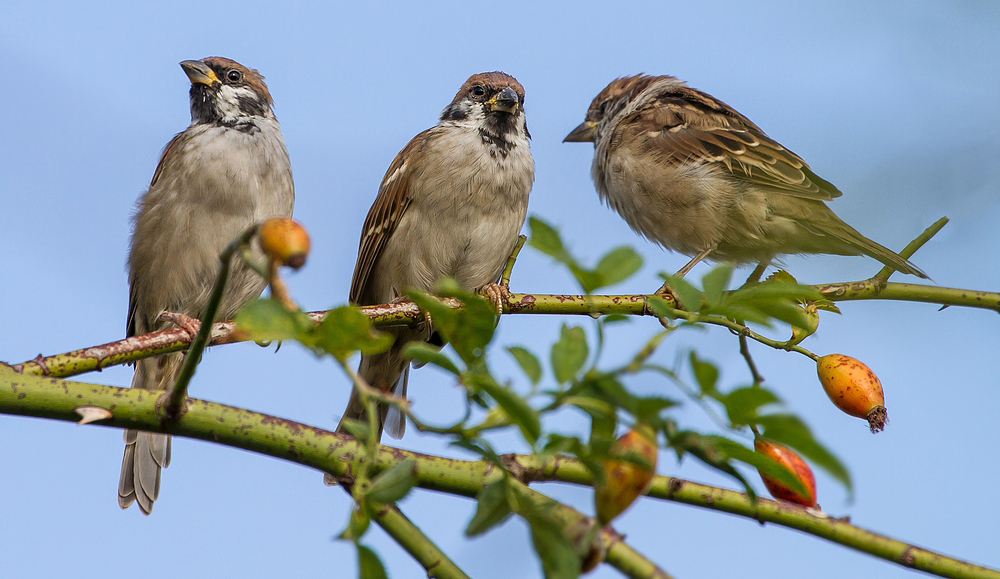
{"x":582,"y":134}
{"x":199,"y":72}
{"x":505,"y":100}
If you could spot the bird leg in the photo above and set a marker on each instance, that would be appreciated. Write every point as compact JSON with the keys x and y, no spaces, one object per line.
{"x":665,"y":288}
{"x":186,"y":323}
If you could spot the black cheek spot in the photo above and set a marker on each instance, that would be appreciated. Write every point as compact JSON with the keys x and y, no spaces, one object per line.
{"x":251,"y":106}
{"x":454,"y":113}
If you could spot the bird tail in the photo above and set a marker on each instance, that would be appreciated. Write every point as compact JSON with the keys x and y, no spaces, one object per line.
{"x":847,"y":234}
{"x":146,"y":454}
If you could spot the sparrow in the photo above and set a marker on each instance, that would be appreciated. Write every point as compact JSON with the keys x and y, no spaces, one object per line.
{"x":688,"y":172}
{"x":228,"y":170}
{"x":451,"y":204}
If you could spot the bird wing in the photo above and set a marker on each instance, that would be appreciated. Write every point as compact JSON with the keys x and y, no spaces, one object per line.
{"x":689,"y":126}
{"x":383,"y":217}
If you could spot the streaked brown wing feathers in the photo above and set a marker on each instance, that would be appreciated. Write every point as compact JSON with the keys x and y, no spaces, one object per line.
{"x":687,"y":126}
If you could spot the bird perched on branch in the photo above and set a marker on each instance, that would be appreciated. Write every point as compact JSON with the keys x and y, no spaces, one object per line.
{"x":450,"y":205}
{"x":687,"y":171}
{"x":225,"y":172}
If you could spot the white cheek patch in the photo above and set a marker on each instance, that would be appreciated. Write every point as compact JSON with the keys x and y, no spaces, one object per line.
{"x":228,"y":101}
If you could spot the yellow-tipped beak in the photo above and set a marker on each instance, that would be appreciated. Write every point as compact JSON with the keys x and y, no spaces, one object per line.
{"x":582,"y":134}
{"x":199,"y":72}
{"x":505,"y":100}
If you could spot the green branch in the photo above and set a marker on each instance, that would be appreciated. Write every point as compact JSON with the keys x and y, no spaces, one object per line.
{"x":409,"y":536}
{"x":333,"y":453}
{"x":329,"y":452}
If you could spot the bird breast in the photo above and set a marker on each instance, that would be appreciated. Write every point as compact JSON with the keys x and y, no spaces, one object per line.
{"x":467,"y":206}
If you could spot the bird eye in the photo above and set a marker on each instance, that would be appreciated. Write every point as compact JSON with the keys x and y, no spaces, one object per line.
{"x":234,"y":75}
{"x":478,"y":91}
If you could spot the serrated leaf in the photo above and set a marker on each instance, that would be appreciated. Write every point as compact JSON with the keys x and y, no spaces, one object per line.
{"x":425,"y":353}
{"x":781,"y":276}
{"x":369,"y":564}
{"x":789,"y":430}
{"x":569,"y":353}
{"x":346,"y":330}
{"x":267,"y":319}
{"x":618,"y":265}
{"x":715,"y":283}
{"x":826,"y":305}
{"x":706,"y":374}
{"x":529,"y":362}
{"x":517,"y":408}
{"x":742,"y":403}
{"x":493,"y":507}
{"x":394,"y":483}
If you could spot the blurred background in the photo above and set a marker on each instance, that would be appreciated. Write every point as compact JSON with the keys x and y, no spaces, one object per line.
{"x":894,"y":102}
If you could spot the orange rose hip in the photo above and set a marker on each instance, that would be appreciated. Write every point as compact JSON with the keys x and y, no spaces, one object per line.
{"x":794,"y":463}
{"x":285,"y":241}
{"x":853,"y":388}
{"x":625,"y":479}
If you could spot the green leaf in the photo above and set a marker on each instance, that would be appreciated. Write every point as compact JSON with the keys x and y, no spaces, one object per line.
{"x":569,"y":353}
{"x":468,"y":329}
{"x":545,"y":238}
{"x":425,"y":353}
{"x":356,"y":428}
{"x":715,"y":282}
{"x":618,"y":318}
{"x":789,"y":430}
{"x":649,"y":407}
{"x":357,"y":526}
{"x":559,"y":558}
{"x":369,"y":565}
{"x":706,"y":374}
{"x":528,"y":362}
{"x":493,"y":507}
{"x":516,"y":407}
{"x":266,"y":319}
{"x":346,"y":330}
{"x":618,"y":265}
{"x":704,"y":448}
{"x":393,"y":483}
{"x":742,"y":403}
{"x":762,"y":463}
{"x":660,"y":307}
{"x":689,"y":295}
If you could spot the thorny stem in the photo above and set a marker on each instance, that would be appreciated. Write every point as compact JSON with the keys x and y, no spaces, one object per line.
{"x":882,"y":277}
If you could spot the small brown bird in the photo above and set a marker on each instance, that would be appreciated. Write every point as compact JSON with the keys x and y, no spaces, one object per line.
{"x":687,"y":171}
{"x":450,"y":205}
{"x":224,"y":173}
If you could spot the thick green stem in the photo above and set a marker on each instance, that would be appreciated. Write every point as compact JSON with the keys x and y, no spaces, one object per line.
{"x":333,"y":453}
{"x":417,"y":544}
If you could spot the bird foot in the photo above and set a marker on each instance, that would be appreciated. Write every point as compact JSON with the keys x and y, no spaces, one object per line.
{"x":186,"y":323}
{"x":498,"y":293}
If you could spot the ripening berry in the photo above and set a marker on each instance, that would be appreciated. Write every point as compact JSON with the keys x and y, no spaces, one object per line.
{"x":853,"y":388}
{"x":787,"y":458}
{"x":625,"y":480}
{"x":282,"y":239}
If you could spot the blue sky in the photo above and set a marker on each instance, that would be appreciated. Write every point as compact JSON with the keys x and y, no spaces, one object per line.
{"x":894,"y":102}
